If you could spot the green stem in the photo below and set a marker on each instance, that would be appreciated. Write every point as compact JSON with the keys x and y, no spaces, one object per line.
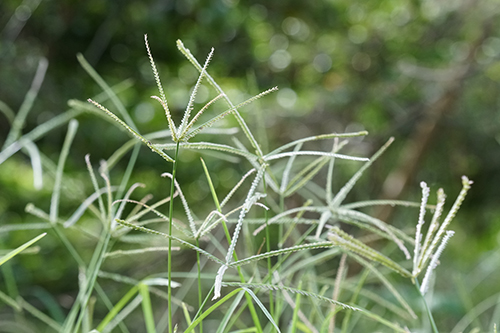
{"x":427,"y":309}
{"x":170,"y":218}
{"x":268,"y":248}
{"x":200,"y":298}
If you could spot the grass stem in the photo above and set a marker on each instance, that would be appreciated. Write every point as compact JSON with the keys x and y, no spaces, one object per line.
{"x":170,"y":218}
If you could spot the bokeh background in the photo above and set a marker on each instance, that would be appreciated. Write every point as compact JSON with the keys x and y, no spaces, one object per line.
{"x":426,"y":72}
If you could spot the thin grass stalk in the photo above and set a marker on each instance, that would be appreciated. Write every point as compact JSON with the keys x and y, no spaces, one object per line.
{"x":70,"y":326}
{"x":329,"y":175}
{"x":11,"y":285}
{"x":230,"y":316}
{"x":129,"y":170}
{"x":39,"y":315}
{"x":336,"y":289}
{"x":200,"y":291}
{"x":207,"y":298}
{"x":296,"y":309}
{"x":348,"y":314}
{"x":147,"y":309}
{"x":36,"y":163}
{"x":96,"y":186}
{"x":92,"y":280}
{"x":54,"y":202}
{"x":427,"y":309}
{"x":117,"y":308}
{"x":268,"y":246}
{"x":170,"y":218}
{"x":217,"y":205}
{"x":107,"y":89}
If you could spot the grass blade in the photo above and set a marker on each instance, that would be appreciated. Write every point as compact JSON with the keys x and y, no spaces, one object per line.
{"x":19,"y":249}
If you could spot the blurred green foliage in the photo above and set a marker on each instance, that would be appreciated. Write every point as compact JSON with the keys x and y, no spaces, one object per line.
{"x":390,"y":67}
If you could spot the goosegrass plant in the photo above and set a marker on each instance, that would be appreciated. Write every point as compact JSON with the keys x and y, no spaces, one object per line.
{"x":286,"y":193}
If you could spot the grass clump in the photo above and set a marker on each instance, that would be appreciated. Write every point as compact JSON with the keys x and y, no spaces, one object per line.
{"x":286,"y":193}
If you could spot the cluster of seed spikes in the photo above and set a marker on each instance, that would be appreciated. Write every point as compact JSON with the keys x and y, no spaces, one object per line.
{"x":330,"y":208}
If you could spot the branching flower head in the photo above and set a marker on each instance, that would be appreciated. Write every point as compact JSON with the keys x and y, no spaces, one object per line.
{"x":437,"y":236}
{"x":186,"y":129}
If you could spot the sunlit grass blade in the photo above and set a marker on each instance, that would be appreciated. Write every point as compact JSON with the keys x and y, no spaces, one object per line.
{"x":315,"y":138}
{"x":305,"y":175}
{"x":36,"y":163}
{"x":97,"y":192}
{"x":236,"y":187}
{"x":121,"y":253}
{"x":329,"y":176}
{"x":107,"y":89}
{"x":230,"y":312}
{"x":124,"y":313}
{"x":287,"y":170}
{"x":19,"y":249}
{"x":117,"y":308}
{"x":186,"y":314}
{"x":214,"y":307}
{"x":262,"y":307}
{"x":54,"y":202}
{"x":342,"y":193}
{"x":296,"y":308}
{"x":314,"y":153}
{"x":10,"y":301}
{"x":147,"y":308}
{"x":85,"y":204}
